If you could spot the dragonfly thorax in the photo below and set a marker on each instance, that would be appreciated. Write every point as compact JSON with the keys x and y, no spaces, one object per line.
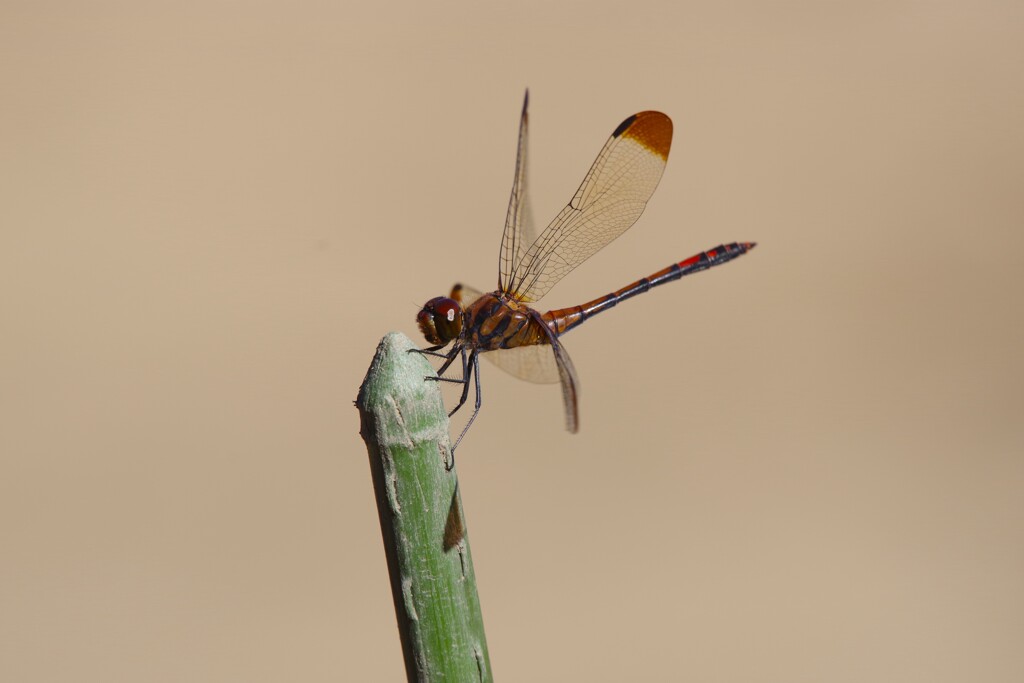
{"x":495,"y":321}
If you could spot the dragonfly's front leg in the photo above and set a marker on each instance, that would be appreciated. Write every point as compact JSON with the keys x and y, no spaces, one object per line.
{"x":457,"y":350}
{"x":449,"y":357}
{"x":433,"y":351}
{"x":464,"y":381}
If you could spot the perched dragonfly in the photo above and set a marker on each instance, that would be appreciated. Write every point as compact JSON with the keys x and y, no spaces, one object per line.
{"x":520,"y":339}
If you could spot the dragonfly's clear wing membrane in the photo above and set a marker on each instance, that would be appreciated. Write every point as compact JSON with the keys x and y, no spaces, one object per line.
{"x":464,"y":294}
{"x":610,"y":200}
{"x":570,"y":386}
{"x":543,"y":364}
{"x":534,"y":363}
{"x":519,"y":227}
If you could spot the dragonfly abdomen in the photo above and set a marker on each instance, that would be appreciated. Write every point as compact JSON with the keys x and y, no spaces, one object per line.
{"x":564,"y":319}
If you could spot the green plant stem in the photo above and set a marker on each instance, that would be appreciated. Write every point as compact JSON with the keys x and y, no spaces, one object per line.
{"x":405,"y":426}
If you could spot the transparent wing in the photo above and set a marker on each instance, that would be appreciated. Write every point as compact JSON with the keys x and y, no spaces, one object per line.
{"x":519,"y":227}
{"x":464,"y":294}
{"x":535,"y":363}
{"x":543,"y":364}
{"x":570,"y":386}
{"x":610,"y":200}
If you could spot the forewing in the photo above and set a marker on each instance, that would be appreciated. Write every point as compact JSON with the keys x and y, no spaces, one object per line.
{"x":519,"y":228}
{"x":610,"y":200}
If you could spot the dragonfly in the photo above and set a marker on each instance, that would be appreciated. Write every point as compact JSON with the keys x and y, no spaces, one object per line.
{"x":501,"y":325}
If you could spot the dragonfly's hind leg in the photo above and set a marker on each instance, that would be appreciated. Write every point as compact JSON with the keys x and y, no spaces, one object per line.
{"x":470,"y":367}
{"x":474,"y":369}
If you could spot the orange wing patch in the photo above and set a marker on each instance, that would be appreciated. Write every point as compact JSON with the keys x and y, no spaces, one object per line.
{"x":652,"y":129}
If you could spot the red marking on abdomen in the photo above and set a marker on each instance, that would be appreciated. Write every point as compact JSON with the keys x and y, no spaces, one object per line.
{"x":562,"y":320}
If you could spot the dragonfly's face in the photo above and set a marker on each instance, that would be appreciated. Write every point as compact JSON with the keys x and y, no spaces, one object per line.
{"x":440,"y":320}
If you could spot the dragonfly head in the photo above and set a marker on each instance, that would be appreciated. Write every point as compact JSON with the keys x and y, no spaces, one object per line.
{"x":440,"y":320}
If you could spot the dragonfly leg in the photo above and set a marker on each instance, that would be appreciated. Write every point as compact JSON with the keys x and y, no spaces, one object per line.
{"x":456,"y":352}
{"x":449,"y":357}
{"x":460,"y":352}
{"x":466,"y":371}
{"x":474,"y":368}
{"x":464,"y":381}
{"x":431,"y":351}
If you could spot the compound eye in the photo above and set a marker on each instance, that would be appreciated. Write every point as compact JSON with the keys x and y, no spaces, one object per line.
{"x":448,"y":310}
{"x":440,"y":320}
{"x":447,"y":318}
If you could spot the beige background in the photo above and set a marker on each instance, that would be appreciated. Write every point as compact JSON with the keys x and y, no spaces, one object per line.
{"x":804,"y":466}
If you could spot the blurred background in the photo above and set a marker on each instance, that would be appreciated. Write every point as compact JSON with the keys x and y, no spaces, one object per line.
{"x":803,"y":466}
